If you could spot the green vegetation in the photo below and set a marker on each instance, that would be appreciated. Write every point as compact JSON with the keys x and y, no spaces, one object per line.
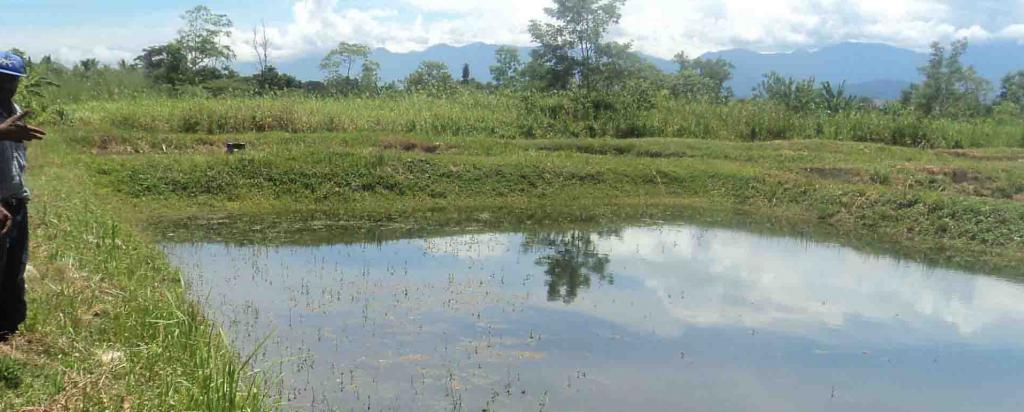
{"x":10,"y":373}
{"x":1012,"y":91}
{"x":575,"y":84}
{"x":116,"y":319}
{"x":949,"y":88}
{"x":137,"y":152}
{"x":540,"y":116}
{"x":110,"y":327}
{"x":959,"y":207}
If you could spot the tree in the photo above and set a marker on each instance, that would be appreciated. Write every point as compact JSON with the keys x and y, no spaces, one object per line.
{"x":506,"y":71}
{"x":466,"y":74}
{"x":165,"y":64}
{"x":620,"y":66}
{"x":200,"y":39}
{"x":568,"y":50}
{"x":795,"y":95}
{"x":701,"y":79}
{"x":718,"y":71}
{"x":268,"y":77}
{"x":50,"y":67}
{"x":369,"y":78}
{"x":690,"y":85}
{"x":803,"y":95}
{"x":87,"y":66}
{"x":271,"y":79}
{"x":1012,"y":89}
{"x":949,"y":88}
{"x":570,"y":261}
{"x":196,"y":55}
{"x":261,"y":45}
{"x":833,"y":99}
{"x":343,"y":57}
{"x":430,"y":77}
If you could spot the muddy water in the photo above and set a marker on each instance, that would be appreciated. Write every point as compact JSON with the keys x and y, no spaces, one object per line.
{"x":654,"y":319}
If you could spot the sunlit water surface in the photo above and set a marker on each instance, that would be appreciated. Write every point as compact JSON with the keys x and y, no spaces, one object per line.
{"x":639,"y":319}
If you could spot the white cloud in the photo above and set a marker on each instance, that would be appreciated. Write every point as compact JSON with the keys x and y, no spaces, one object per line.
{"x":657,"y":27}
{"x":72,"y":44}
{"x":1013,"y":31}
{"x":667,"y":280}
{"x":319,"y":24}
{"x":722,"y":277}
{"x":102,"y":53}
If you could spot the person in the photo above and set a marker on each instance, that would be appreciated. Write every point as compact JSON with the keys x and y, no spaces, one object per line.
{"x":14,"y":196}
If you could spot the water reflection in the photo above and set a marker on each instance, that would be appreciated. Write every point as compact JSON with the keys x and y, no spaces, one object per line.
{"x":615,"y":320}
{"x":572,"y":262}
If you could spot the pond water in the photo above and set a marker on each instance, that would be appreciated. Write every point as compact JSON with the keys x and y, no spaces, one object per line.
{"x":645,"y":318}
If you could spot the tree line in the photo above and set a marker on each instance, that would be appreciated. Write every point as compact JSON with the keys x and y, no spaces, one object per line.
{"x":572,"y":57}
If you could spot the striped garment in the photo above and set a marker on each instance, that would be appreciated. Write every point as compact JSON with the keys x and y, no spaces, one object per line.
{"x":12,"y":166}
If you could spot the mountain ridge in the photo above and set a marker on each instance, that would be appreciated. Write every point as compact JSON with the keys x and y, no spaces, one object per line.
{"x":869,"y":69}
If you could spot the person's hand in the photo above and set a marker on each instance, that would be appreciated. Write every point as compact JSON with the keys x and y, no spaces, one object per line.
{"x":6,"y":220}
{"x":13,"y":129}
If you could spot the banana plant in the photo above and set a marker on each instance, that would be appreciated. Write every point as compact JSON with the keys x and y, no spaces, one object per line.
{"x":32,"y":92}
{"x":834,"y":98}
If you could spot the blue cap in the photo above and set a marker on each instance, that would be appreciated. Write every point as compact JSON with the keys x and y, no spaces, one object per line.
{"x":12,"y":64}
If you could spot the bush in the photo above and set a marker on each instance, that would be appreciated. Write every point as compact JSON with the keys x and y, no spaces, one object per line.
{"x":579,"y":113}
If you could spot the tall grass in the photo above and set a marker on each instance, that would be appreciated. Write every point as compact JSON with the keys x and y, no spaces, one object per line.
{"x":103,"y":83}
{"x":111,"y":327}
{"x":512,"y":116}
{"x":476,"y":114}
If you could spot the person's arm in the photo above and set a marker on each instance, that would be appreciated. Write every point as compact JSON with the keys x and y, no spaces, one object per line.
{"x":6,"y":220}
{"x":13,"y":129}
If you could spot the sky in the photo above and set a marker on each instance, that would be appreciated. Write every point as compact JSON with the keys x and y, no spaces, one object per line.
{"x":110,"y":30}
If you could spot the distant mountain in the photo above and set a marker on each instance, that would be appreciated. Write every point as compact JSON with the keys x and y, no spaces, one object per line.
{"x":878,"y":89}
{"x":872,"y":70}
{"x":855,"y":63}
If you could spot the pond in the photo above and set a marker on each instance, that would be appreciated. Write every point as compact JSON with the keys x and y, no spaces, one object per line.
{"x":666,"y":318}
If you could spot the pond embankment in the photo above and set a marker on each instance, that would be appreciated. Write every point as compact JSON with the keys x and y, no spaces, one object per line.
{"x":110,"y":313}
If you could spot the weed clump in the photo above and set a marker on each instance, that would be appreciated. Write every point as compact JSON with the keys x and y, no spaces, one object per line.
{"x":10,"y":373}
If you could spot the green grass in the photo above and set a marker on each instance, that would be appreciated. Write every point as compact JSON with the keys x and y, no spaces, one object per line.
{"x":111,"y":323}
{"x":110,"y":326}
{"x":959,"y":207}
{"x":11,"y":373}
{"x":514,"y":116}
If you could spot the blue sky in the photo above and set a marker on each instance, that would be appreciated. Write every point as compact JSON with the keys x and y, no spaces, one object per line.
{"x":59,"y":13}
{"x":114,"y":29}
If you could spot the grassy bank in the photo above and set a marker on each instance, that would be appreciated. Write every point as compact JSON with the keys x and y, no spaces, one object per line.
{"x":960,"y":207}
{"x":111,"y":324}
{"x":519,"y":116}
{"x":110,"y":327}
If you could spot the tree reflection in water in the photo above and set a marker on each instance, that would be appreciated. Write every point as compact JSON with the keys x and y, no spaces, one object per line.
{"x":572,"y":262}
